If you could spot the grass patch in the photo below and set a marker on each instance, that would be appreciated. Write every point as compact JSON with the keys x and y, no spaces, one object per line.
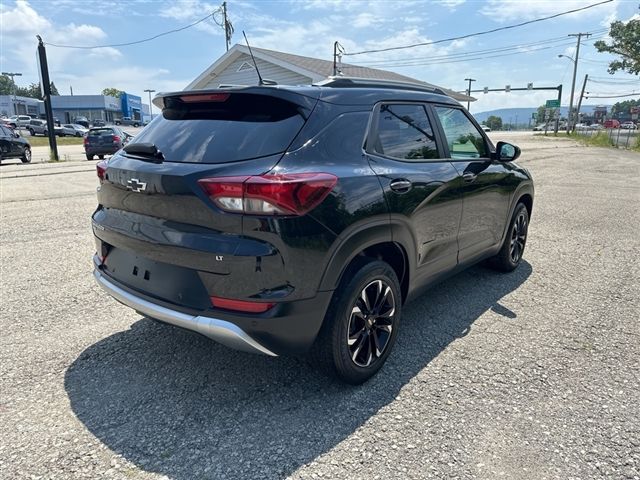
{"x":44,"y":141}
{"x":600,"y":139}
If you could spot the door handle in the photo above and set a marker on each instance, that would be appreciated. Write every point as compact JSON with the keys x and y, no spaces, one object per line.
{"x":400,"y":185}
{"x":469,"y":177}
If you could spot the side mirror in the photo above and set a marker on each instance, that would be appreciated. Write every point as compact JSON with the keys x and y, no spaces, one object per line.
{"x":505,"y":152}
{"x":16,"y":135}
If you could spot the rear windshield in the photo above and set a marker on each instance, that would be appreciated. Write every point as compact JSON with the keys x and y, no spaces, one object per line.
{"x":240,"y":127}
{"x":99,"y":132}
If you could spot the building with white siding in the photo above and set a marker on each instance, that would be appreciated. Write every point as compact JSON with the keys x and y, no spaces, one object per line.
{"x":236,"y":67}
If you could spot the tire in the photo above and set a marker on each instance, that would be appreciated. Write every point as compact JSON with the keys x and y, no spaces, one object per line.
{"x":136,"y":124}
{"x":348,"y":345}
{"x":46,"y":133}
{"x":78,"y":134}
{"x":26,"y":156}
{"x":31,"y":132}
{"x":89,"y":157}
{"x":510,"y":255}
{"x":101,"y":157}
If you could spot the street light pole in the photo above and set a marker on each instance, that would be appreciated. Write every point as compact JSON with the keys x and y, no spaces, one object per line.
{"x":150,"y":104}
{"x":573,"y":83}
{"x":13,"y":87}
{"x":469,"y":90}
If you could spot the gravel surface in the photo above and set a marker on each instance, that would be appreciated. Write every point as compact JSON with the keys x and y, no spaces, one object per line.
{"x":533,"y":374}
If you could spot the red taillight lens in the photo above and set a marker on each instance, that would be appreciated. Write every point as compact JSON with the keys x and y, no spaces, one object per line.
{"x":283,"y":194}
{"x":85,"y":140}
{"x":116,"y":138}
{"x":241,"y":305}
{"x":206,"y":97}
{"x":101,"y":169}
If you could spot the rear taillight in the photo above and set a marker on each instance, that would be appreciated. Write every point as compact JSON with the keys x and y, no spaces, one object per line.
{"x":101,"y":169}
{"x":85,"y":140}
{"x":116,"y":138}
{"x":241,"y":305}
{"x":283,"y":194}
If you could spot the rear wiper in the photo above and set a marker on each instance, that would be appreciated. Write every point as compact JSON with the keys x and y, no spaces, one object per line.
{"x":146,"y":151}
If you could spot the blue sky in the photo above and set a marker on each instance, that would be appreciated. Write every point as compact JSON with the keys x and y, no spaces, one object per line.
{"x":310,"y":28}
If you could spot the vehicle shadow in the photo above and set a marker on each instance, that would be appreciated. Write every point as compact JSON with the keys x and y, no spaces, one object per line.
{"x":177,"y":404}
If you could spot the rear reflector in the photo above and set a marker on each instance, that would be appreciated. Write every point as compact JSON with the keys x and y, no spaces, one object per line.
{"x":208,"y":97}
{"x":241,"y":305}
{"x":101,"y":169}
{"x":283,"y":194}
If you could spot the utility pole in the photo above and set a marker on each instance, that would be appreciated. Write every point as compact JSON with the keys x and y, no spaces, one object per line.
{"x":338,"y":50}
{"x":228,"y":28}
{"x":71,"y":89}
{"x":575,"y":71}
{"x":150,"y":104}
{"x":46,"y":94}
{"x":469,"y":90}
{"x":584,"y":85}
{"x":13,"y":87}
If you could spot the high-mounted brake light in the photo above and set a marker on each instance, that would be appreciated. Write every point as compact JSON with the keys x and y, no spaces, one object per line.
{"x":282,"y":194}
{"x":101,"y":169}
{"x":241,"y":305}
{"x":205,"y":97}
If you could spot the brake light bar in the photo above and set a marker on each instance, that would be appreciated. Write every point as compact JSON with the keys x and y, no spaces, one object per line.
{"x":205,"y":97}
{"x":241,"y":305}
{"x":280,"y":194}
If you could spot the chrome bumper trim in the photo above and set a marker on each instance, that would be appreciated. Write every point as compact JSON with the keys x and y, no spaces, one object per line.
{"x":221,"y":331}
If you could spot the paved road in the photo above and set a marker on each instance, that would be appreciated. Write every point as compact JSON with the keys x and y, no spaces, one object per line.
{"x":534,"y":374}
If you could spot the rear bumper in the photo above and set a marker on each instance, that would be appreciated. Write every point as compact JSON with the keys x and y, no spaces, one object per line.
{"x":219,"y":330}
{"x":289,"y":328}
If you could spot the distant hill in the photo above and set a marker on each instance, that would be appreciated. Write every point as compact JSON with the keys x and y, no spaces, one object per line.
{"x":522,"y":115}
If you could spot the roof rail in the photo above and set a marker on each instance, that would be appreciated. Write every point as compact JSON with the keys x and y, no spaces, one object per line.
{"x":358,"y":82}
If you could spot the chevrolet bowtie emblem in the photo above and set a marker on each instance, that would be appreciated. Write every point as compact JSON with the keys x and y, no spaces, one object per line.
{"x":136,"y":185}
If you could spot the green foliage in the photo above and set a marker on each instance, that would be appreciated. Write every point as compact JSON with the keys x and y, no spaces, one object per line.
{"x":626,"y":44}
{"x":54,"y":90}
{"x":494,"y":122}
{"x":5,"y":85}
{"x":112,"y":92}
{"x":624,"y":107}
{"x":32,"y":91}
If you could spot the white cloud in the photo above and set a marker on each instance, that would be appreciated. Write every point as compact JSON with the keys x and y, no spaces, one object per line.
{"x":503,"y":11}
{"x":366,"y":19}
{"x":451,"y":4}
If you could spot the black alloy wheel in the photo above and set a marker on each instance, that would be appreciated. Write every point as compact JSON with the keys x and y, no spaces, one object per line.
{"x":371,"y":323}
{"x":510,"y":254}
{"x":361,"y":324}
{"x":518,"y":237}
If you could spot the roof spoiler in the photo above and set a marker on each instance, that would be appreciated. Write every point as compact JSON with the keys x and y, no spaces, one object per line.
{"x":359,"y":82}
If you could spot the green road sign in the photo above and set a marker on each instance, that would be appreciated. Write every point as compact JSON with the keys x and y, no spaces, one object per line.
{"x":553,"y":104}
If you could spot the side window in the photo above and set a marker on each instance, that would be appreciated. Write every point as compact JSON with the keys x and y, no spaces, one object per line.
{"x":404,"y":132}
{"x":4,"y":132}
{"x":464,"y":139}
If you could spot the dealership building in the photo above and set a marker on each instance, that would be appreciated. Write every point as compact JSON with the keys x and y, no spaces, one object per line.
{"x":67,"y":107}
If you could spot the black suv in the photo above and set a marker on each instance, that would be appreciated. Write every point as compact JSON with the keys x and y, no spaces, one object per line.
{"x":283,"y":220}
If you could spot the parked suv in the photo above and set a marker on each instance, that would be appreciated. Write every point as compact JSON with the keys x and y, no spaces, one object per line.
{"x":12,"y":145}
{"x":103,"y":141}
{"x":37,"y":127}
{"x":284,"y":220}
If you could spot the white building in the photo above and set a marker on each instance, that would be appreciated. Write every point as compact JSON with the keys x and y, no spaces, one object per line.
{"x":236,"y":68}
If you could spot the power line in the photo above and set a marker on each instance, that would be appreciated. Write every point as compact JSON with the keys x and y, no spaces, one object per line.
{"x":479,"y":33}
{"x":137,"y":41}
{"x":632,"y":94}
{"x":562,"y":40}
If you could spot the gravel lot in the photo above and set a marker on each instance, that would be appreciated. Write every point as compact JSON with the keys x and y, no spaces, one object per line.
{"x":533,"y":374}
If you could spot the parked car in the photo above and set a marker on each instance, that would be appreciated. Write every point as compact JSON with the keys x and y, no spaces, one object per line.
{"x":98,"y":122}
{"x":628,"y":125}
{"x":12,"y":145}
{"x":103,"y":141}
{"x":596,"y":126}
{"x":37,"y":127}
{"x":128,"y":121}
{"x":485,"y":128}
{"x":73,"y":130}
{"x":83,"y":121}
{"x":308,"y":239}
{"x":581,"y":126}
{"x":6,"y":123}
{"x":611,"y":123}
{"x":19,"y":121}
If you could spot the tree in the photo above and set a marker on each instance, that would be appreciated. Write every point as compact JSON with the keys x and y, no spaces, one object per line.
{"x":54,"y":90}
{"x":624,"y":108}
{"x":112,"y":92}
{"x":625,"y":39}
{"x":6,"y":87}
{"x":494,"y":123}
